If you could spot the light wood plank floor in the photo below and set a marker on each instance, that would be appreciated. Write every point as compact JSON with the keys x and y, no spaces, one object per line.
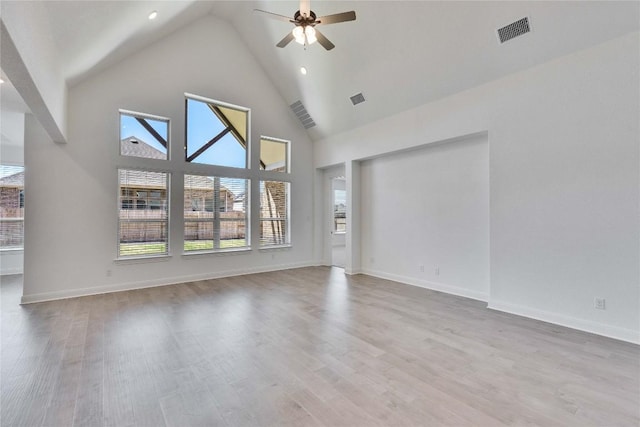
{"x":303,"y":347}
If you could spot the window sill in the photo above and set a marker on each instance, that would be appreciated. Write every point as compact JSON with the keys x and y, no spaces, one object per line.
{"x":219,"y":252}
{"x":11,"y":250}
{"x":275,"y":247}
{"x":142,"y":259}
{"x":340,"y":233}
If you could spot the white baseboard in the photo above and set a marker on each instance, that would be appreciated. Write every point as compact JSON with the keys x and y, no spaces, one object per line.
{"x":74,"y":293}
{"x":434,"y":286}
{"x":622,"y":334}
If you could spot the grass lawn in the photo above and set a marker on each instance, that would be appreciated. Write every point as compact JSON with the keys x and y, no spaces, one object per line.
{"x":143,"y":248}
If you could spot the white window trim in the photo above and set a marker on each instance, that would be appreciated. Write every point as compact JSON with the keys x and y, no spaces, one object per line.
{"x":169,"y":222}
{"x":247,"y":238}
{"x":287,"y":152}
{"x":150,"y":117}
{"x":288,"y":217}
{"x":247,"y":160}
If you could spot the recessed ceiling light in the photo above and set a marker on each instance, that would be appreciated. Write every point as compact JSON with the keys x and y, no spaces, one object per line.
{"x":153,"y":15}
{"x":303,"y":70}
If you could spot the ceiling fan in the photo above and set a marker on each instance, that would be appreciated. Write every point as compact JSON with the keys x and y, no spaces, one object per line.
{"x":305,"y":21}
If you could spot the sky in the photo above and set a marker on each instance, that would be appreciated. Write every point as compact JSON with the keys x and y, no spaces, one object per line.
{"x":202,"y":126}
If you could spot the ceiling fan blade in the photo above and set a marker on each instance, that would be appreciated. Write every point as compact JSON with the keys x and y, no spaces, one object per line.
{"x":324,"y":41}
{"x":305,"y":7}
{"x":286,"y":40}
{"x":275,"y":15}
{"x":338,"y":17}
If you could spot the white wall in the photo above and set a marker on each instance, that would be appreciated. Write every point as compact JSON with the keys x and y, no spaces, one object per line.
{"x":428,"y":209}
{"x":564,"y":175}
{"x":72,"y":197}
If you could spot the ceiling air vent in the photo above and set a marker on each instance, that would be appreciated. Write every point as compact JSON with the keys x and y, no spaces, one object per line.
{"x":302,"y":114}
{"x":357,"y":98}
{"x":514,"y":29}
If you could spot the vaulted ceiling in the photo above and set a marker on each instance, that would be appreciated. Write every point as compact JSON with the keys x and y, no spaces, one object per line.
{"x":399,"y":54}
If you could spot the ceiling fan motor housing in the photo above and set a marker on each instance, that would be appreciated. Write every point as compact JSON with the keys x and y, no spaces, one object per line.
{"x":305,"y":20}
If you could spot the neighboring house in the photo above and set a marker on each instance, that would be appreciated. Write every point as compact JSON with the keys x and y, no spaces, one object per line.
{"x":12,"y":211}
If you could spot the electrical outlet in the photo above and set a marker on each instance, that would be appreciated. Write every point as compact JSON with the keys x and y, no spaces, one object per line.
{"x":437,"y":271}
{"x":599,"y":303}
{"x":372,"y":260}
{"x":108,"y":273}
{"x":421,"y":267}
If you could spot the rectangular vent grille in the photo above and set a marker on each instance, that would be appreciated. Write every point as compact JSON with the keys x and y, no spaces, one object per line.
{"x":302,"y":114}
{"x":514,"y":29}
{"x":357,"y":98}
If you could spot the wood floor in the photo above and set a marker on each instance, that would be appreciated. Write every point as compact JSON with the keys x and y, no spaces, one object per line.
{"x":303,"y":347}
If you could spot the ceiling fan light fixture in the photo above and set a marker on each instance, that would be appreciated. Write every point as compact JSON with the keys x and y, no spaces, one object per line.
{"x":298,"y":33}
{"x":304,"y":34}
{"x":310,"y":33}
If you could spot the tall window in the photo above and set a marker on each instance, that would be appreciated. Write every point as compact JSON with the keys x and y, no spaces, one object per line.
{"x":143,"y":135}
{"x":274,"y":154}
{"x":11,"y":207}
{"x":216,"y":133}
{"x":215,"y":213}
{"x":339,"y":211}
{"x":143,"y":218}
{"x":274,"y":213}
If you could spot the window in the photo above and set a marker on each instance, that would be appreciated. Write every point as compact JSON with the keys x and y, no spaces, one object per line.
{"x":11,"y":207}
{"x":143,"y":135}
{"x":339,"y":211}
{"x":143,"y":219}
{"x":215,"y":213}
{"x":216,"y":133}
{"x":274,"y":213}
{"x":274,"y":154}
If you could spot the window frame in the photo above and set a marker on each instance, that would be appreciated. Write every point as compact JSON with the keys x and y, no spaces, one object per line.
{"x":209,"y":205}
{"x":287,"y":219}
{"x":335,"y":223}
{"x":137,"y":114}
{"x":168,"y":177}
{"x":287,"y":153}
{"x":247,"y":148}
{"x":19,"y":201}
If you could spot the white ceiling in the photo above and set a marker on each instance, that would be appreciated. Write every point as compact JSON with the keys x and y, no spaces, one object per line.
{"x":400,"y":54}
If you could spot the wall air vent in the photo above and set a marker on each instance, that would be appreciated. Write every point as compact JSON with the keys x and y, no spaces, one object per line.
{"x":357,"y":98}
{"x":302,"y":114}
{"x":513,"y":30}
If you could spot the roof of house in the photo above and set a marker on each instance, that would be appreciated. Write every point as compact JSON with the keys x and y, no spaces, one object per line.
{"x":16,"y":180}
{"x":136,"y":147}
